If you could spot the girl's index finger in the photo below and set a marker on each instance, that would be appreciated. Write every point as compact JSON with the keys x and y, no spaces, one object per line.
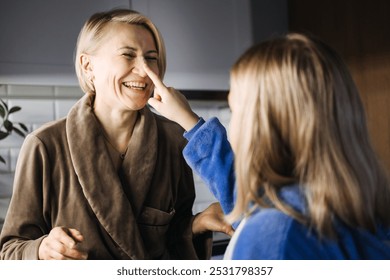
{"x":153,"y":76}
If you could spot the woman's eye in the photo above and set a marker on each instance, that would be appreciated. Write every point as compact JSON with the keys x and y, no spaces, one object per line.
{"x":151,"y":58}
{"x":128,"y":55}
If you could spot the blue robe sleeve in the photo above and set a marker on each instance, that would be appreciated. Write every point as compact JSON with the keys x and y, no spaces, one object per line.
{"x":210,"y":155}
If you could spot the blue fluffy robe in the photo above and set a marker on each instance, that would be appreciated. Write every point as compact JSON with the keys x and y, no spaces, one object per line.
{"x":209,"y":154}
{"x":269,"y":233}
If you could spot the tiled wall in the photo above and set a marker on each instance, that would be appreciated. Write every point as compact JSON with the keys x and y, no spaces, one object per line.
{"x":41,"y":104}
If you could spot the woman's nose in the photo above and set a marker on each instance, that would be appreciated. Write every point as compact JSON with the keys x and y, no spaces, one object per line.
{"x":139,"y":67}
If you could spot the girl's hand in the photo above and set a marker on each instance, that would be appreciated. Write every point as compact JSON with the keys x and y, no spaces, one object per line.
{"x":211,"y":219}
{"x":171,"y":103}
{"x":61,"y":244}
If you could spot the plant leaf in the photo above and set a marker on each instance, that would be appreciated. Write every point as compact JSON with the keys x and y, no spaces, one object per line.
{"x":2,"y":160}
{"x":8,"y":125}
{"x":3,"y":135}
{"x":14,"y":109}
{"x":23,"y":126}
{"x":5,"y":104}
{"x":18,"y":131}
{"x":2,"y":111}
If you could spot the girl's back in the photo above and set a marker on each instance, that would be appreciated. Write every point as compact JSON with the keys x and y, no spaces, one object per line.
{"x":271,"y":234}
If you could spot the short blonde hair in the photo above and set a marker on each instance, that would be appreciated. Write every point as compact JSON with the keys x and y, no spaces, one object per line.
{"x":302,"y":122}
{"x":93,"y":31}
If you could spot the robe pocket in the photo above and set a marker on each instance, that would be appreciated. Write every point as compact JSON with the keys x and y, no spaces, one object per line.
{"x":154,"y":224}
{"x":155,"y":217}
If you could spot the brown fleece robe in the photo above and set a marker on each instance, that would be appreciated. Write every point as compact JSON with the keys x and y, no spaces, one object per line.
{"x":65,"y":177}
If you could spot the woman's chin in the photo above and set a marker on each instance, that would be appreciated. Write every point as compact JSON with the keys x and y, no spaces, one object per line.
{"x":136,"y":105}
{"x":136,"y":100}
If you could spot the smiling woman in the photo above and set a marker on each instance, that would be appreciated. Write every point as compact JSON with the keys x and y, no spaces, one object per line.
{"x":108,"y":181}
{"x":116,"y":68}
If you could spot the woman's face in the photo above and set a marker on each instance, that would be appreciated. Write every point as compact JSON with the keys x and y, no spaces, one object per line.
{"x":118,"y":75}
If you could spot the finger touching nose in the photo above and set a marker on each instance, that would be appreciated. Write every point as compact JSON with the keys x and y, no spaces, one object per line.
{"x":139,"y":67}
{"x":154,"y":77}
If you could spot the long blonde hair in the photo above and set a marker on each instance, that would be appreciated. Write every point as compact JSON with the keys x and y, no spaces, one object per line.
{"x":92,"y":34}
{"x":302,"y":121}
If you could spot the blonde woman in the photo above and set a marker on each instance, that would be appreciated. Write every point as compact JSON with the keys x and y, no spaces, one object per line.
{"x":108,"y":181}
{"x":308,"y":183}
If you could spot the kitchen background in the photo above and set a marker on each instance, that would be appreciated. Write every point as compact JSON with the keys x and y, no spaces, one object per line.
{"x":203,"y":39}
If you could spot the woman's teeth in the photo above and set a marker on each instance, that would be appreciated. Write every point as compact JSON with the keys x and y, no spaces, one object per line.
{"x":135,"y":85}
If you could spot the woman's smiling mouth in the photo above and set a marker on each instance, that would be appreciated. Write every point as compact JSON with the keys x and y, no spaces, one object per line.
{"x":135,"y":85}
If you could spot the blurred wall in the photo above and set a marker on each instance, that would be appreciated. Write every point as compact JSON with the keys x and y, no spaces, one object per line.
{"x":359,"y":30}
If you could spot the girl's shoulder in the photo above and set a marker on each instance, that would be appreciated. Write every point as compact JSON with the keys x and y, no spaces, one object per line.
{"x":264,"y":235}
{"x":269,"y":233}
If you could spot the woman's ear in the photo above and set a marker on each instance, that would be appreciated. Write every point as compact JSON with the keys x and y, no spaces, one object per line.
{"x":86,"y":65}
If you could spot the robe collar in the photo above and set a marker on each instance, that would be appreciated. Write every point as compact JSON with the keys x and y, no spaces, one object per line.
{"x":99,"y":180}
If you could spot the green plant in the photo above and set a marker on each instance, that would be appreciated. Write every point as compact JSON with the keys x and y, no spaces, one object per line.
{"x":6,"y":126}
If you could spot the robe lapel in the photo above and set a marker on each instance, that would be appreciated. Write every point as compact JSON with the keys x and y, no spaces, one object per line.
{"x":140,"y":160}
{"x":99,"y":180}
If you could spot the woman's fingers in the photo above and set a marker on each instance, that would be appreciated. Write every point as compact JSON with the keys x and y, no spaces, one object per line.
{"x":59,"y":251}
{"x":76,"y":235}
{"x":61,"y":243}
{"x":64,"y":236}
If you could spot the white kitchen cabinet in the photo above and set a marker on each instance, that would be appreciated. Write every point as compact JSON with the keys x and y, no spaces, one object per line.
{"x":203,"y":38}
{"x":38,"y":38}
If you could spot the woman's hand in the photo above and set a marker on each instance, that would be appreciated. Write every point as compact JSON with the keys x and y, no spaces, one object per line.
{"x":61,"y":244}
{"x":211,"y":219}
{"x":171,"y":103}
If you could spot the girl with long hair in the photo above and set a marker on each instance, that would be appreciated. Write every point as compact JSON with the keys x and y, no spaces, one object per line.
{"x":305,"y":182}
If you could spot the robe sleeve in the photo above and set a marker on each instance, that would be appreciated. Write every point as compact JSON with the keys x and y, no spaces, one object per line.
{"x":25,"y":224}
{"x":210,"y":155}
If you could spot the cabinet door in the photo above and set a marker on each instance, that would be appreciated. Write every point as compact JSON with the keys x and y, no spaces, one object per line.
{"x":203,"y":38}
{"x":38,"y":38}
